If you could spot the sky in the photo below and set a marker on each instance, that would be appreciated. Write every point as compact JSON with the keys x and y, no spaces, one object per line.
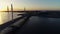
{"x":30,"y":4}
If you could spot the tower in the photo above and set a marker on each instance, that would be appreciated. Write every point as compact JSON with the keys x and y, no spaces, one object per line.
{"x":11,"y":7}
{"x":8,"y":12}
{"x":12,"y":10}
{"x":7,"y":8}
{"x":24,"y":9}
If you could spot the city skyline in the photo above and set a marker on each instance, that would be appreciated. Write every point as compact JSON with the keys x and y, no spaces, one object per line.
{"x":30,"y":4}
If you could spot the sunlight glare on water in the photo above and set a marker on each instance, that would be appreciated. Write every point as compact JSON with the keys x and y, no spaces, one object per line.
{"x":0,"y":18}
{"x":5,"y":16}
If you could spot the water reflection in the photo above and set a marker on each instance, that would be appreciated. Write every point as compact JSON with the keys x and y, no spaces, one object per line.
{"x":0,"y":19}
{"x":5,"y":16}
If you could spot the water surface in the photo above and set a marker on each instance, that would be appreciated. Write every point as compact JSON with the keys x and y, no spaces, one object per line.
{"x":5,"y":16}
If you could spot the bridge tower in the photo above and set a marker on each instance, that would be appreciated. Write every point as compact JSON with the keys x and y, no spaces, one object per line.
{"x":24,"y":9}
{"x":12,"y":10}
{"x":8,"y":12}
{"x":7,"y":8}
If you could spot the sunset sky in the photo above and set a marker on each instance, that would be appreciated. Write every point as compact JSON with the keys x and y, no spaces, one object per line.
{"x":30,"y":4}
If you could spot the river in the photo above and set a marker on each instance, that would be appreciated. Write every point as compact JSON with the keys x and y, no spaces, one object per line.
{"x":5,"y":16}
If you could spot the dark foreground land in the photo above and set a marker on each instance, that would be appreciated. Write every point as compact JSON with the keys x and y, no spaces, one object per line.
{"x":37,"y":22}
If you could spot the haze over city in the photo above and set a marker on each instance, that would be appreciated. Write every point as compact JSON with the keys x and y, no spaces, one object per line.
{"x":30,"y":4}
